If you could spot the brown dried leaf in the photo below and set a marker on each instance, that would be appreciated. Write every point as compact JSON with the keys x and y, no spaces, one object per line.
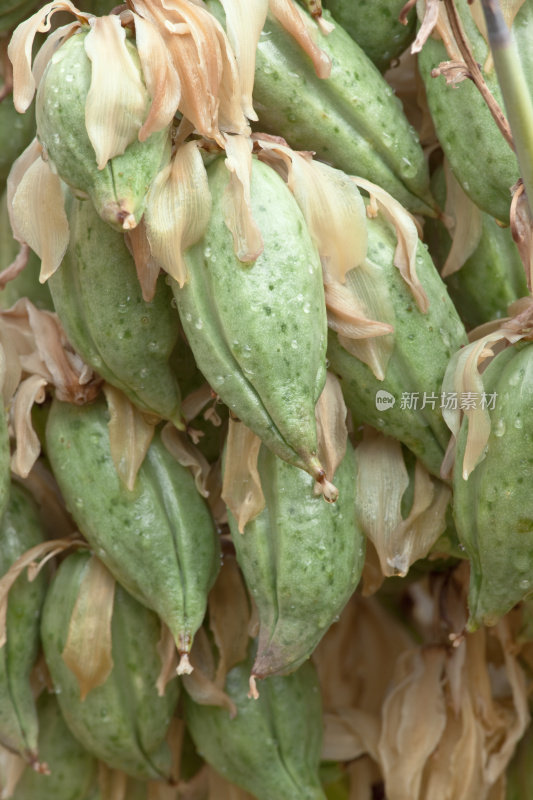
{"x":113,"y":783}
{"x":28,"y":446}
{"x":146,"y":266}
{"x":247,"y":239}
{"x":466,"y":227}
{"x":407,"y":235}
{"x":350,"y":733}
{"x":346,"y":657}
{"x":427,"y":25}
{"x":200,"y":682}
{"x":184,"y":451}
{"x":522,"y":231}
{"x":130,"y":435}
{"x":294,"y":22}
{"x":332,"y":433}
{"x":241,"y":489}
{"x":87,"y":651}
{"x":229,"y":618}
{"x":413,"y":720}
{"x":166,"y":647}
{"x":43,"y":552}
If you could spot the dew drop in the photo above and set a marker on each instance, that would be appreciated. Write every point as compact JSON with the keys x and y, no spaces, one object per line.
{"x":499,"y":428}
{"x":199,"y":324}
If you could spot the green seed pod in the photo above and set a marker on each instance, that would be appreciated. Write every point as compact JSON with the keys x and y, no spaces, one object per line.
{"x":375,"y":26}
{"x":119,"y":189}
{"x":350,"y":119}
{"x":20,"y":529}
{"x":26,"y":284}
{"x":272,"y":747}
{"x":72,"y":768}
{"x":493,"y":508}
{"x":491,"y":278}
{"x":123,"y":721}
{"x":479,"y":156}
{"x":16,"y":132}
{"x":423,"y":344}
{"x":258,"y":331}
{"x":158,"y":540}
{"x":301,"y":559}
{"x":97,"y":296}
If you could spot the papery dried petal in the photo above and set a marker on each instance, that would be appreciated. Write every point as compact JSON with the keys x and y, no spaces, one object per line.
{"x":247,"y":239}
{"x":43,"y":551}
{"x":18,"y":169}
{"x":28,"y":446}
{"x":467,"y":225}
{"x":40,"y":218}
{"x":331,"y":204}
{"x":229,"y":618}
{"x":166,"y":647}
{"x":11,"y":768}
{"x":162,"y":80}
{"x":130,"y":435}
{"x":87,"y":651}
{"x":407,"y":234}
{"x":21,"y":44}
{"x":416,"y":535}
{"x":288,"y":15}
{"x":413,"y":720}
{"x":241,"y":490}
{"x":146,"y":266}
{"x":332,"y":432}
{"x":115,"y":109}
{"x":381,"y":482}
{"x":244,"y":23}
{"x":187,"y":455}
{"x":200,"y":683}
{"x":178,"y":210}
{"x":429,"y":21}
{"x":350,"y":732}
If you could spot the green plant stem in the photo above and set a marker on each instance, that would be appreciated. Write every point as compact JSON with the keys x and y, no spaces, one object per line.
{"x":515,"y":91}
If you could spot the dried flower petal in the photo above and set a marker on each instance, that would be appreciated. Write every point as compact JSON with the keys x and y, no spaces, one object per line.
{"x":130,"y":435}
{"x":115,"y":109}
{"x":39,"y":215}
{"x":247,"y":239}
{"x":178,"y":210}
{"x":21,"y":44}
{"x":466,"y":227}
{"x":288,"y":14}
{"x":87,"y":651}
{"x":241,"y":490}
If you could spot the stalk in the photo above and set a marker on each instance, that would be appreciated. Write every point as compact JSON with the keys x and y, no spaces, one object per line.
{"x":517,"y":99}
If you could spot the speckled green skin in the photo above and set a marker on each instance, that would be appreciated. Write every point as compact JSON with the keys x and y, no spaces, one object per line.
{"x":272,"y":747}
{"x":258,"y":331}
{"x":159,"y":540}
{"x":493,"y":509}
{"x":72,"y":768}
{"x":123,"y":721}
{"x":493,"y":276}
{"x":479,"y":156}
{"x":423,"y":345}
{"x":351,"y":119}
{"x":98,"y":298}
{"x":16,"y":132}
{"x":122,"y":185}
{"x":26,"y":284}
{"x":20,"y":529}
{"x":375,"y":26}
{"x":301,"y":559}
